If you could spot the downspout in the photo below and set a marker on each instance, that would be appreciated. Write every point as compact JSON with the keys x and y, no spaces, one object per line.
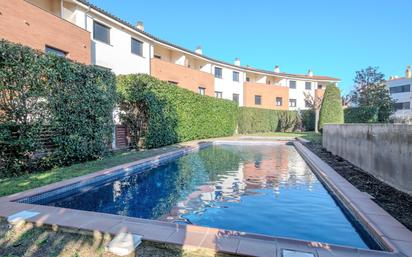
{"x":85,"y":17}
{"x":150,"y":58}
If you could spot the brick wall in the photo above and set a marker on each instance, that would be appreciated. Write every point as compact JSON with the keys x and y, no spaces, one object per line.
{"x":24,"y":23}
{"x":185,"y":77}
{"x":268,"y":95}
{"x":319,"y":93}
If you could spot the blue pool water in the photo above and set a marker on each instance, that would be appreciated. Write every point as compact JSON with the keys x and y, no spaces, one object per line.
{"x":259,"y":189}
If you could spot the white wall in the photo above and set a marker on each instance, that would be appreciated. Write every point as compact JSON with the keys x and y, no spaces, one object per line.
{"x":299,"y":93}
{"x":227,"y":86}
{"x":117,"y":56}
{"x":404,"y":96}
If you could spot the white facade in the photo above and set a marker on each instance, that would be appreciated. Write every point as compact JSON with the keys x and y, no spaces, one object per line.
{"x":117,"y":55}
{"x":401,"y":98}
{"x":227,"y":85}
{"x":299,"y":93}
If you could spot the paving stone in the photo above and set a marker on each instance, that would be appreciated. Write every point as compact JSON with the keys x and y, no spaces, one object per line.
{"x":124,"y":244}
{"x":293,"y":253}
{"x":21,"y":216}
{"x":253,"y":247}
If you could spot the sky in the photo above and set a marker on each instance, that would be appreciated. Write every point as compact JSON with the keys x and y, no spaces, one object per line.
{"x":332,"y":37}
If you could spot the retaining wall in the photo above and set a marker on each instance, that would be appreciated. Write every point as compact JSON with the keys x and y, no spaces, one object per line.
{"x":383,"y":150}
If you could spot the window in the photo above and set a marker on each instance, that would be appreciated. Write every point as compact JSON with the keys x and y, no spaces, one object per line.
{"x":218,"y":94}
{"x":320,"y":86}
{"x":157,"y":57}
{"x":279,"y":101}
{"x":173,"y":82}
{"x":202,"y":90}
{"x":236,"y":76}
{"x":101,"y":32}
{"x":137,"y":47}
{"x":308,"y":85}
{"x":247,"y":79}
{"x":400,"y":89}
{"x":236,"y":98}
{"x":292,"y":84}
{"x":258,"y":100}
{"x":218,"y":72}
{"x":292,"y":102}
{"x":308,"y":104}
{"x":268,"y":82}
{"x":402,"y":106}
{"x":55,"y":51}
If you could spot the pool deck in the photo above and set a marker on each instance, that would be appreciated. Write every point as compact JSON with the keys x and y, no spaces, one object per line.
{"x":388,"y":231}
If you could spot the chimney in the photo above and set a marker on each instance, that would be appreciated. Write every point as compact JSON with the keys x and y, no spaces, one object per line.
{"x":408,"y":73}
{"x":140,"y":26}
{"x":237,"y":62}
{"x":199,"y":50}
{"x":310,"y":73}
{"x":277,"y":69}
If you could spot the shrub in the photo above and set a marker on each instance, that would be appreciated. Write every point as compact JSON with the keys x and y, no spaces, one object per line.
{"x":308,"y":119}
{"x":331,"y":110}
{"x":257,"y":120}
{"x":159,"y":113}
{"x":367,"y":114}
{"x":53,"y":111}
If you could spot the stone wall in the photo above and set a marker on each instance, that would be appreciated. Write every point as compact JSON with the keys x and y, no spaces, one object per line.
{"x":383,"y":150}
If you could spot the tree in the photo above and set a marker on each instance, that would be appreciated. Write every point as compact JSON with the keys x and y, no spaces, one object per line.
{"x":370,"y":91}
{"x":331,"y":110}
{"x":315,"y":102}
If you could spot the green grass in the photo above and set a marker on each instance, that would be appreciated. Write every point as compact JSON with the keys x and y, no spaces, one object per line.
{"x":311,"y":136}
{"x":11,"y":185}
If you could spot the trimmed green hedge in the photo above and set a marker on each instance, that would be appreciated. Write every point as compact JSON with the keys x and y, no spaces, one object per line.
{"x":159,"y":113}
{"x":308,"y":119}
{"x":367,"y":114}
{"x":331,"y":110}
{"x":53,"y":111}
{"x":257,"y":120}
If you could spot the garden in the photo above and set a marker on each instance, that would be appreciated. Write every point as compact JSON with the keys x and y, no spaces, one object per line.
{"x":56,"y":123}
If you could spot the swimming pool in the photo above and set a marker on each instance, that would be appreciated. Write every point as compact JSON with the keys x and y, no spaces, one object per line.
{"x":265,"y":189}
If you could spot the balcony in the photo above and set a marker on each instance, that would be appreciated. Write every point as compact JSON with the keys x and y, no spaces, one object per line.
{"x":182,"y":76}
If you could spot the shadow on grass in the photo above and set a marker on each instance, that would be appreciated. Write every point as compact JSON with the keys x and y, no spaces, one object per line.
{"x":31,"y":241}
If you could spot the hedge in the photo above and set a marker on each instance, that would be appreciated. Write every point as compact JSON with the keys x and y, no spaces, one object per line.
{"x":53,"y":111}
{"x":308,"y":119}
{"x":331,"y":110}
{"x":367,"y":114}
{"x":257,"y":120}
{"x":159,"y":113}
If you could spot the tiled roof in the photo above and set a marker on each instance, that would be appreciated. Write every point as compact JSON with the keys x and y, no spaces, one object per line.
{"x":282,"y":74}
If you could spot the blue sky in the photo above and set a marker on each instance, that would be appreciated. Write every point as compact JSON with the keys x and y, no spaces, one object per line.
{"x":332,"y":37}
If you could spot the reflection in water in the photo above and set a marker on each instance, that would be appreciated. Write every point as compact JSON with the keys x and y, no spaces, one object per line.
{"x":259,"y":189}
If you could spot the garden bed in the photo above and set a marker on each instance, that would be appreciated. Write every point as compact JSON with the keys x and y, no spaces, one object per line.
{"x":395,"y":202}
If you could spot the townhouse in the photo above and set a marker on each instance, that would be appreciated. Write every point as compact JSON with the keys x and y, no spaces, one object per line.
{"x":85,"y":33}
{"x":400,"y":89}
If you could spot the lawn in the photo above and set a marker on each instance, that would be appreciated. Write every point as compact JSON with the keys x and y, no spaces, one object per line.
{"x":311,"y":136}
{"x":33,"y":241}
